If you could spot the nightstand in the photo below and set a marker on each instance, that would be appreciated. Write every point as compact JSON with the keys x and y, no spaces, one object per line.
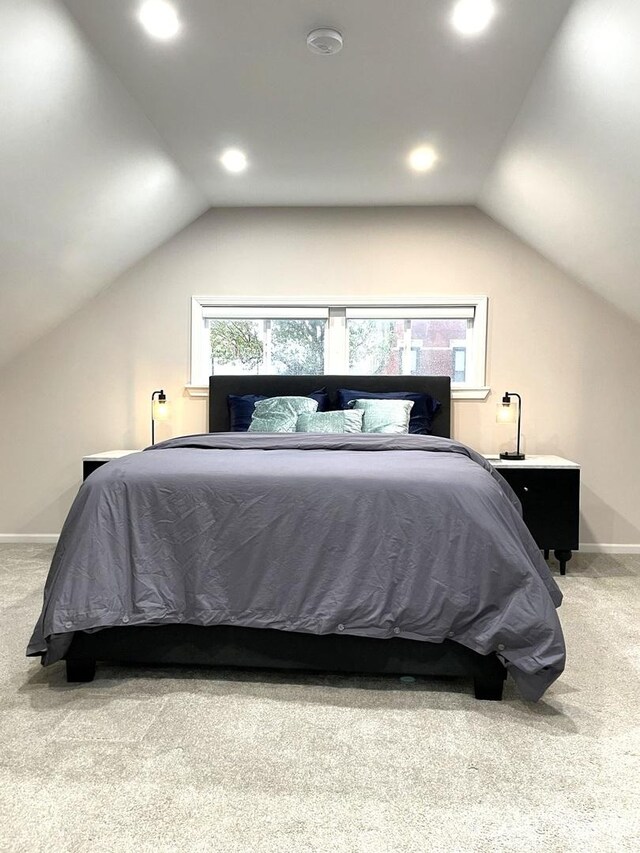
{"x":549,"y":490}
{"x":97,"y":460}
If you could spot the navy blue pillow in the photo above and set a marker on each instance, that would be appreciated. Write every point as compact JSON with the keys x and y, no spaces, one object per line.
{"x":422,"y":414}
{"x":241,"y":407}
{"x":241,"y":410}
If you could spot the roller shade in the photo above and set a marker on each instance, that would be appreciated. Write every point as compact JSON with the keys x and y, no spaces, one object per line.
{"x":270,"y":312}
{"x":464,"y":312}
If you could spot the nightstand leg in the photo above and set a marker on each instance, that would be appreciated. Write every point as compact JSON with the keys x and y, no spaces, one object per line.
{"x":563,"y":558}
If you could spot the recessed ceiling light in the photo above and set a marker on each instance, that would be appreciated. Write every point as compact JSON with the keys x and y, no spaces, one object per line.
{"x":160,"y":19}
{"x":471,"y":17}
{"x":234,"y":160}
{"x":423,"y":158}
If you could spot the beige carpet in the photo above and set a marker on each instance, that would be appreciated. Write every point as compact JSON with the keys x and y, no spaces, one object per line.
{"x":186,"y":760}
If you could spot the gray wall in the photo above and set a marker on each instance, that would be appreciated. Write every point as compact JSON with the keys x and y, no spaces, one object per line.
{"x":85,"y":386}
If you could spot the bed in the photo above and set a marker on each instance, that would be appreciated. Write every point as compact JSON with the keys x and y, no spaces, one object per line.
{"x":365,"y":554}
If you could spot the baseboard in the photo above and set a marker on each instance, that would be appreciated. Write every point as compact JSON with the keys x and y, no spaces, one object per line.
{"x":52,"y":538}
{"x":605,"y":548}
{"x":29,"y":538}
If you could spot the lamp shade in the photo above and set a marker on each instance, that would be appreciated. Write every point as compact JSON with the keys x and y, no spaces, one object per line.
{"x":506,"y":413}
{"x":160,"y":410}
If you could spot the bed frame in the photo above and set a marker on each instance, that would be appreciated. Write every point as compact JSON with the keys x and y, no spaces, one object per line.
{"x":230,"y":646}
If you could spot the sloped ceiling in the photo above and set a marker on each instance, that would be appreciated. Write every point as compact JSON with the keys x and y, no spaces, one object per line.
{"x":568,"y":177}
{"x":86,"y":185}
{"x":109,"y":140}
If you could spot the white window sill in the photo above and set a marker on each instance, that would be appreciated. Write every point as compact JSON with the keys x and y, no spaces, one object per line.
{"x":197,"y":390}
{"x":470,"y":393}
{"x":456,"y":393}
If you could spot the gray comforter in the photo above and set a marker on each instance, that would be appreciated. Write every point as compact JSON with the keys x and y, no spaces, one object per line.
{"x":376,"y":535}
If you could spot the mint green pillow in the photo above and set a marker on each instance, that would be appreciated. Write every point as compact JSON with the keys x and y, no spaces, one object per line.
{"x":280,"y":414}
{"x":343,"y":421}
{"x":384,"y":415}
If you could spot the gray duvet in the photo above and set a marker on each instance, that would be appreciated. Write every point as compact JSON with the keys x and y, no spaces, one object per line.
{"x":376,"y":535}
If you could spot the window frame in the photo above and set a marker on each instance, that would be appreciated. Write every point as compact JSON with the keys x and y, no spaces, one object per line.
{"x":336,"y":311}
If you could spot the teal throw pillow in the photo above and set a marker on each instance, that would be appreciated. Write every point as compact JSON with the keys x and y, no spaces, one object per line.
{"x":344,"y":421}
{"x":280,"y":414}
{"x":390,"y":416}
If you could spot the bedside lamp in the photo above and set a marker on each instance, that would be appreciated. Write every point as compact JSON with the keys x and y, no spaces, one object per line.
{"x":506,"y":414}
{"x":159,"y":411}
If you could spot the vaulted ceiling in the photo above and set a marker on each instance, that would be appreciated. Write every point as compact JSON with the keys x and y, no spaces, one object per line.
{"x":328,"y":129}
{"x":110,"y":140}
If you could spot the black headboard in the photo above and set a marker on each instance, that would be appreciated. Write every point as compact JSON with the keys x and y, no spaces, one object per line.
{"x":271,"y":386}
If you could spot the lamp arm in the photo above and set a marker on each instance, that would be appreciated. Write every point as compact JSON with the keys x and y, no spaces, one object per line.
{"x":513,"y":394}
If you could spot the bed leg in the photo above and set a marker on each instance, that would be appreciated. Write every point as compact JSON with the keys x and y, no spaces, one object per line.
{"x":489,"y":687}
{"x":80,"y":669}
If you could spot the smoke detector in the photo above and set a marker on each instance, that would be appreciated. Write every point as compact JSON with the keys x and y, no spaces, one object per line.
{"x":324,"y":41}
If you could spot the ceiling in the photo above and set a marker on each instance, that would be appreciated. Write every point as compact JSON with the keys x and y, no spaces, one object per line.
{"x":324,"y":130}
{"x":110,"y":140}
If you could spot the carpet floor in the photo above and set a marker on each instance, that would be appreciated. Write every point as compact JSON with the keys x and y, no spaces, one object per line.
{"x":203,"y":760}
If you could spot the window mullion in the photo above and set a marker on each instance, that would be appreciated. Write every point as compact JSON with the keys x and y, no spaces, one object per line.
{"x":406,"y":349}
{"x":337,"y":360}
{"x":267,"y":347}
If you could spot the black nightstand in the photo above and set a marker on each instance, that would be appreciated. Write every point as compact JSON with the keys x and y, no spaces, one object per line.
{"x":97,"y":460}
{"x":549,"y":489}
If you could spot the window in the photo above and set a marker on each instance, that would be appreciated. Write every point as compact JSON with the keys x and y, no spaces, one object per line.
{"x":435,"y":337}
{"x":281,"y":341}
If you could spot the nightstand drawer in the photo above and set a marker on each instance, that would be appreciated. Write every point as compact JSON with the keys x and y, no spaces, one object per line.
{"x":550,"y":500}
{"x":89,"y":466}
